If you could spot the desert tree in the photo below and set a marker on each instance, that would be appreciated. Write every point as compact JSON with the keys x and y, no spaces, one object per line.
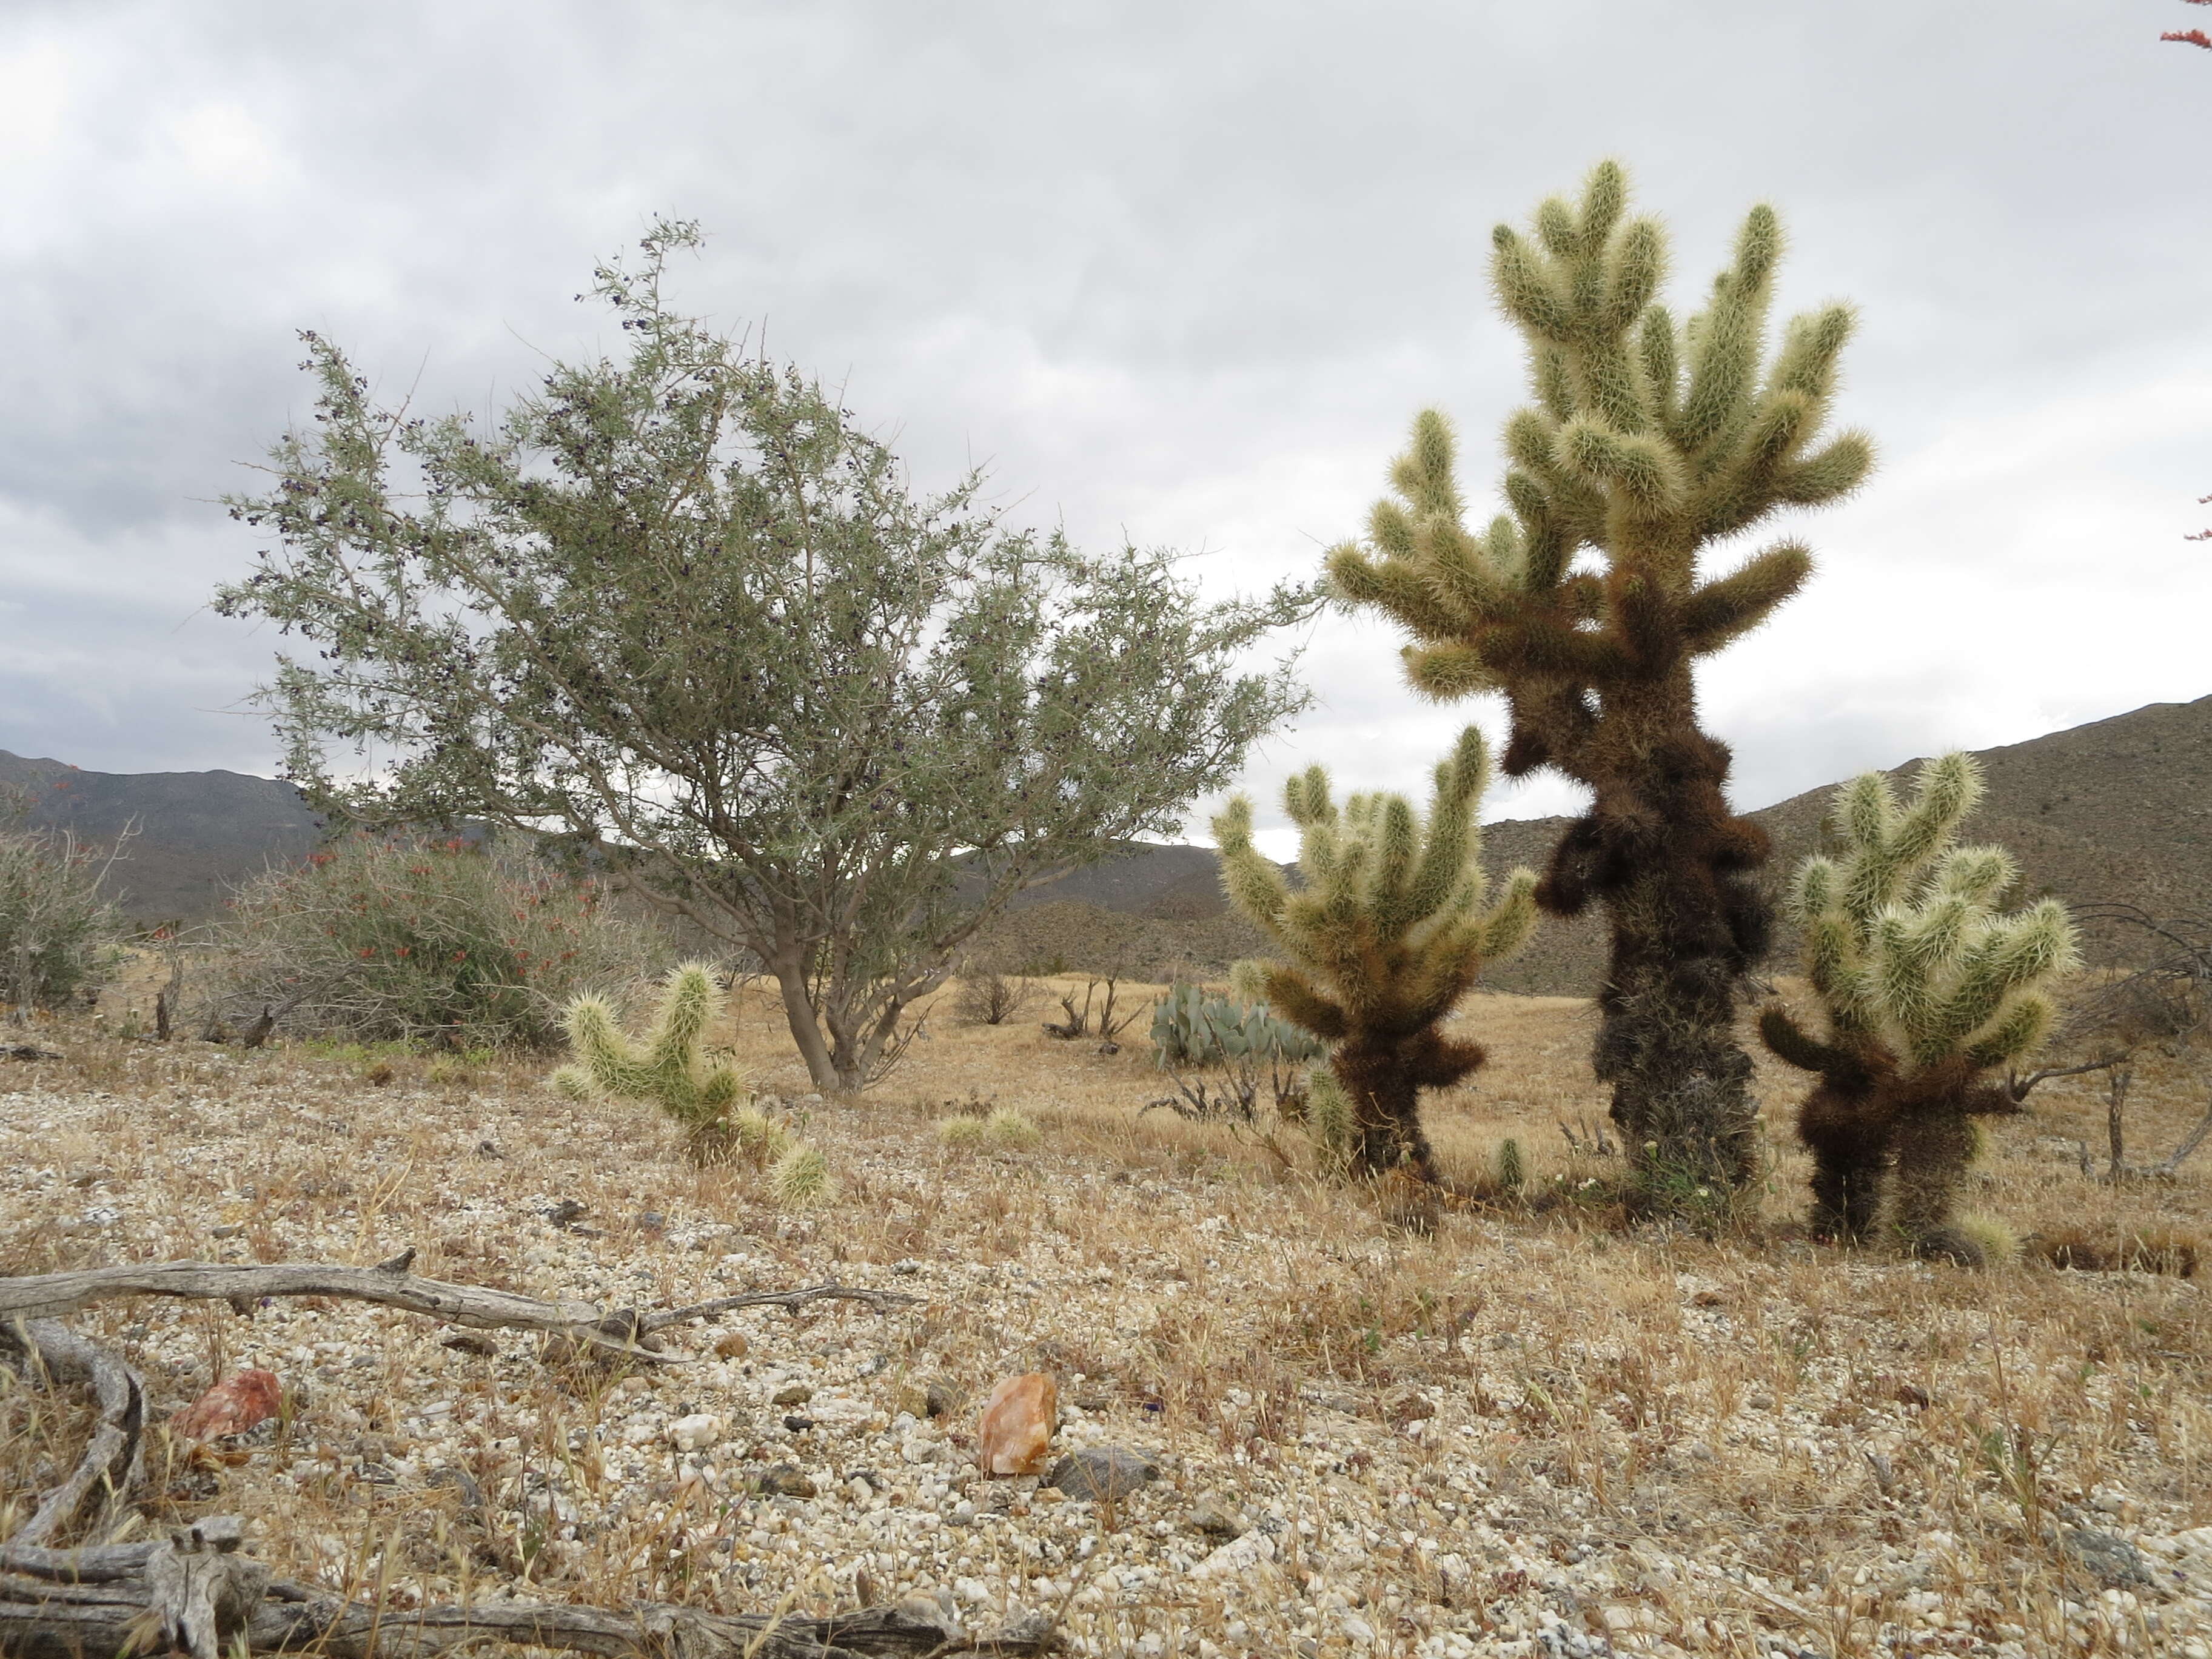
{"x":1586,"y":606}
{"x":1927,"y":986}
{"x":681,"y":614}
{"x":1385,"y":935}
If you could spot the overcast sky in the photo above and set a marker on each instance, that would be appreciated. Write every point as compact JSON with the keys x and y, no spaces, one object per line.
{"x":1181,"y":272}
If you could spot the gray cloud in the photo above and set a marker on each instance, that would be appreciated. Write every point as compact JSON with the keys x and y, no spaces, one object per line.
{"x":1177,"y":271}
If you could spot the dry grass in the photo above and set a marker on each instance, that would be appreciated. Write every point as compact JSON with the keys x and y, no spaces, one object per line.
{"x":1535,"y":1420}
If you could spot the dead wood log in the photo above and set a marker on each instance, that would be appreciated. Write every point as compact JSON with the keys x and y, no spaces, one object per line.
{"x":109,"y":1468}
{"x":100,"y":1621}
{"x":49,"y":1296}
{"x":196,"y":1593}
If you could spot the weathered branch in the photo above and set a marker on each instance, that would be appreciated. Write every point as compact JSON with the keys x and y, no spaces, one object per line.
{"x":196,"y":1593}
{"x":109,"y":1468}
{"x":48,"y":1296}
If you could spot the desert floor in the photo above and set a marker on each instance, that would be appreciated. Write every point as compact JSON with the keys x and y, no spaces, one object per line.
{"x":1540,"y":1431}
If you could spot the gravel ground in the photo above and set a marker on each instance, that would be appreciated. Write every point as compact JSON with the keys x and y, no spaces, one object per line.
{"x":1530,"y":1435}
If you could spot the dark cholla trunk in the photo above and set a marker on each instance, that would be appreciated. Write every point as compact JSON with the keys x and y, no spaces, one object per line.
{"x":1673,"y":865}
{"x":1867,"y":1128}
{"x":1383,"y":1074}
{"x":1386,"y":1115}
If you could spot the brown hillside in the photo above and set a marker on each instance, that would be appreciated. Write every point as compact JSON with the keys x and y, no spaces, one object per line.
{"x":2119,"y":811}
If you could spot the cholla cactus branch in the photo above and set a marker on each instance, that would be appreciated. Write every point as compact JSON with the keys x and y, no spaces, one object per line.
{"x":1648,"y":438}
{"x":666,"y":1068}
{"x":1383,"y":940}
{"x":1927,"y":985}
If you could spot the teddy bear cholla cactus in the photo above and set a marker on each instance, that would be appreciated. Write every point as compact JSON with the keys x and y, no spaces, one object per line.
{"x":1651,"y":438}
{"x":1383,"y":939}
{"x":1927,"y":987}
{"x":669,"y":1069}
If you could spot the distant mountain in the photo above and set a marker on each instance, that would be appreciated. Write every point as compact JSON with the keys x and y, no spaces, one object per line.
{"x":2119,"y":809}
{"x":197,"y":834}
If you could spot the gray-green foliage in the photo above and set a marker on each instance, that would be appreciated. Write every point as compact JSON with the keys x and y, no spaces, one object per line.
{"x":680,"y":605}
{"x":668,"y":1068}
{"x":1195,"y":1027}
{"x":59,"y":938}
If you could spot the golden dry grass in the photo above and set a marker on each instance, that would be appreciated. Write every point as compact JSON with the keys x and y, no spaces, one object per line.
{"x":1537,"y":1427}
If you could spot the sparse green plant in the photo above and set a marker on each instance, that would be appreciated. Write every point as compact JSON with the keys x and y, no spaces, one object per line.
{"x":1010,"y":1131}
{"x":1649,"y":440}
{"x":965,"y":1133}
{"x":1385,"y":937}
{"x":800,"y":1176}
{"x":1926,"y":986}
{"x":669,"y":1068}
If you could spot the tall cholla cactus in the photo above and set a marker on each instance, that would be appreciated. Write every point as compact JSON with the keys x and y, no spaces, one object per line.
{"x":1648,"y":439}
{"x":1385,"y":937}
{"x":1927,"y":986}
{"x":666,"y":1069}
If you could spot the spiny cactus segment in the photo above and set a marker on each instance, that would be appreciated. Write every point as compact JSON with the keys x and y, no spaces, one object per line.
{"x":667,"y":1068}
{"x":1927,"y":986}
{"x":1382,"y":940}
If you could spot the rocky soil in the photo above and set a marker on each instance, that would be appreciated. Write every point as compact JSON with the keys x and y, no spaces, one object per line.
{"x":1534,"y":1433}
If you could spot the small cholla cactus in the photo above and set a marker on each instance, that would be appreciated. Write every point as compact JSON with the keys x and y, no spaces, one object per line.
{"x":667,"y":1068}
{"x":1385,"y":937}
{"x":1512,"y":1167}
{"x":1927,"y":987}
{"x":801,"y":1175}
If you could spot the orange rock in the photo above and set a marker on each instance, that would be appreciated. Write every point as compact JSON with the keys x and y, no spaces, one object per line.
{"x":1019,"y":1419}
{"x":231,"y":1406}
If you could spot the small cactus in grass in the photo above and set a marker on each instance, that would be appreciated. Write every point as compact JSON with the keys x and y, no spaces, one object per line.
{"x":801,"y":1175}
{"x":1329,"y":1122}
{"x":667,"y":1068}
{"x":1010,"y":1131}
{"x":1512,"y":1169}
{"x":1927,"y":986}
{"x":1386,"y":935}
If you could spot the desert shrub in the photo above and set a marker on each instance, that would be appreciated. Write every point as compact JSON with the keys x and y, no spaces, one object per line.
{"x":992,"y":998}
{"x":964,"y":1133}
{"x":380,"y":938}
{"x":59,"y":939}
{"x":1010,"y":1131}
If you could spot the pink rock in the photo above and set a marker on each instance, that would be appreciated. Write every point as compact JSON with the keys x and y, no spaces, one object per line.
{"x":1019,"y":1419}
{"x":231,"y":1406}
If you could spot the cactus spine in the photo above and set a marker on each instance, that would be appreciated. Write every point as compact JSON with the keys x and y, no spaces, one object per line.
{"x":1647,"y":439}
{"x":667,"y":1068}
{"x":1383,"y":939}
{"x":1926,"y":986}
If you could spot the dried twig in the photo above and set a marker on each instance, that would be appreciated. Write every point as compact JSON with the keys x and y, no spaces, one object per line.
{"x":48,"y":1296}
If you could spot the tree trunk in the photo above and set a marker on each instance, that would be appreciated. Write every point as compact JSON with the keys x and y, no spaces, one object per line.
{"x":790,"y":971}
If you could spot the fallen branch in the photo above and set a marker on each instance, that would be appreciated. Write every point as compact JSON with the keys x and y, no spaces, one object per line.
{"x":198,"y":1594}
{"x":49,"y":1296}
{"x":109,"y":1468}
